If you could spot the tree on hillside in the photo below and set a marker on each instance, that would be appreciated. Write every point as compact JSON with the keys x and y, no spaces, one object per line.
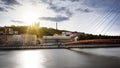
{"x":34,"y":29}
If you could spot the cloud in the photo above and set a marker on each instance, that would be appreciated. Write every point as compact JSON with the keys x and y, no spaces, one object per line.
{"x":55,"y":19}
{"x":66,"y":7}
{"x":84,"y":10}
{"x":60,"y":9}
{"x":74,"y":0}
{"x":10,"y":2}
{"x":6,"y":5}
{"x":17,"y":21}
{"x":100,"y":3}
{"x":3,"y":9}
{"x":63,"y":10}
{"x":69,"y":13}
{"x":57,"y":9}
{"x":71,"y":0}
{"x":46,"y":1}
{"x":103,"y":5}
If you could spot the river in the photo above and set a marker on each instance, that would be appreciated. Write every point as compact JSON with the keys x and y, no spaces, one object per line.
{"x":61,"y":58}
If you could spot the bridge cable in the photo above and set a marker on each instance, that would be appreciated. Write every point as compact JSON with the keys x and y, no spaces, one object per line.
{"x":104,"y":17}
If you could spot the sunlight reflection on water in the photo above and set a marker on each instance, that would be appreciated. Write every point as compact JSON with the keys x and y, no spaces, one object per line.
{"x":61,"y":58}
{"x":31,"y":59}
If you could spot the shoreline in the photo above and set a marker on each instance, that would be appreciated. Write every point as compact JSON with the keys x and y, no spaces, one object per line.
{"x":60,"y":46}
{"x":93,"y":43}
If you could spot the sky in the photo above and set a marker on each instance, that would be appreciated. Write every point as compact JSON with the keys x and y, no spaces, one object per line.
{"x":89,"y":16}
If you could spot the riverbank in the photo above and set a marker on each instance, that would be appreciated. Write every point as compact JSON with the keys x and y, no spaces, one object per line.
{"x":59,"y":46}
{"x":94,"y":43}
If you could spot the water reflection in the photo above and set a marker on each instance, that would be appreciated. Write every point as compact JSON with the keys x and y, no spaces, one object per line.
{"x":30,"y":59}
{"x":61,"y":58}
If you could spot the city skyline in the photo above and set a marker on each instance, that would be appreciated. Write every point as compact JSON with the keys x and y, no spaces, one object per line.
{"x":95,"y":17}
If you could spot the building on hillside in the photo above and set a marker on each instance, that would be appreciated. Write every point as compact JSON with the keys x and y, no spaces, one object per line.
{"x":66,"y":33}
{"x":52,"y":40}
{"x":7,"y":31}
{"x":72,"y":34}
{"x":75,"y":35}
{"x":25,"y":39}
{"x":1,"y":32}
{"x":10,"y":37}
{"x":14,"y":40}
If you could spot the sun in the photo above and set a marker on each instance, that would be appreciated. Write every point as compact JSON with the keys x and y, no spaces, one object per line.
{"x":30,"y":15}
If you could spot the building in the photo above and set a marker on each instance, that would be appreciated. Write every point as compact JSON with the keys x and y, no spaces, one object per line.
{"x":74,"y":35}
{"x":66,"y":33}
{"x":14,"y":40}
{"x":24,"y":39}
{"x":9,"y":37}
{"x":51,"y":40}
{"x":7,"y":30}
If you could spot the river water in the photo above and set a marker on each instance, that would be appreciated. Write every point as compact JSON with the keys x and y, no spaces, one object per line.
{"x":61,"y":58}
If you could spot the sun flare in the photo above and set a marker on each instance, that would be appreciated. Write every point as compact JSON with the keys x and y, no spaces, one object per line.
{"x":30,"y":15}
{"x":31,"y":59}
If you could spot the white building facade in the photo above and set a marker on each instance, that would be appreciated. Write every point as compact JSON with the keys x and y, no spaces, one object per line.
{"x":18,"y":39}
{"x":51,"y":40}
